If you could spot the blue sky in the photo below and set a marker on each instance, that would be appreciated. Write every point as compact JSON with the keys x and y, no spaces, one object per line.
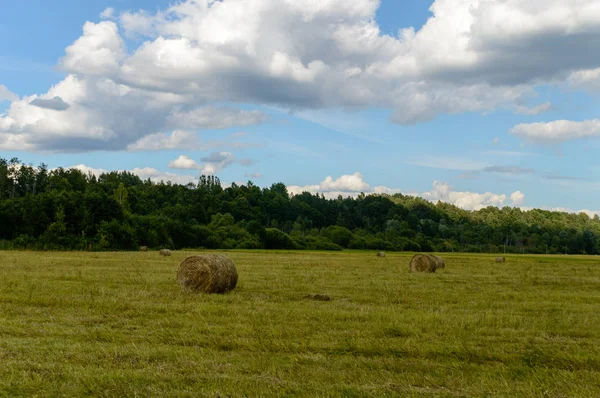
{"x":476,"y":113}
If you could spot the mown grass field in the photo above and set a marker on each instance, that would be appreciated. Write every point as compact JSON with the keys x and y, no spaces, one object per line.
{"x":117,"y":325}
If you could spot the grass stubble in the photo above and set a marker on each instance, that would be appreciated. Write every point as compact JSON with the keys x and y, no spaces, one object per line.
{"x":117,"y":324}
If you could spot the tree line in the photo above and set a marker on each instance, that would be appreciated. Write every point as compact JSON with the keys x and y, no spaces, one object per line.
{"x":66,"y":209}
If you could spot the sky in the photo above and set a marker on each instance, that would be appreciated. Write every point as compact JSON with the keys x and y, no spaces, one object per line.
{"x":473,"y":102}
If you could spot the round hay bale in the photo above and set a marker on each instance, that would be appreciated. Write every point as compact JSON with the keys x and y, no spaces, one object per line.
{"x":165,"y":252}
{"x":381,"y":254}
{"x":144,"y":249}
{"x":441,"y":264}
{"x":426,"y":263}
{"x":207,"y":273}
{"x":500,"y":259}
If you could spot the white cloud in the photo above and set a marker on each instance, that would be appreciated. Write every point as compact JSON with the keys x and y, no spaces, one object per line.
{"x":100,"y":114}
{"x":6,"y":95}
{"x":178,"y":139}
{"x":253,"y":175}
{"x":214,"y":118}
{"x":212,"y":164}
{"x":442,"y":191}
{"x":89,"y":170}
{"x":144,"y":173}
{"x":345,"y":183}
{"x":557,"y":131}
{"x":586,"y":79}
{"x":470,"y":56}
{"x":98,"y":52}
{"x":353,"y":185}
{"x":108,"y":13}
{"x":536,"y":110}
{"x":157,"y":176}
{"x":517,"y":198}
{"x":184,"y":163}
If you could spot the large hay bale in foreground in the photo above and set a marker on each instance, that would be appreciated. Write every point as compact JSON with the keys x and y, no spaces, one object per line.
{"x":165,"y":252}
{"x":381,"y":254}
{"x":500,"y":259}
{"x":426,"y":263}
{"x":144,"y":249}
{"x":207,"y":273}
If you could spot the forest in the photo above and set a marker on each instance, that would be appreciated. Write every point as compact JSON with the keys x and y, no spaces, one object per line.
{"x":65,"y":209}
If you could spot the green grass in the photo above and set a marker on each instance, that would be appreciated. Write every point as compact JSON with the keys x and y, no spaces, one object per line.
{"x":116,"y":324}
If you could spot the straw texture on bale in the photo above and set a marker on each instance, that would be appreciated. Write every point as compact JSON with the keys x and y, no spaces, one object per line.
{"x":208,"y":273}
{"x":500,"y":259}
{"x":144,"y":248}
{"x":426,"y":263}
{"x":381,"y":254}
{"x":165,"y":252}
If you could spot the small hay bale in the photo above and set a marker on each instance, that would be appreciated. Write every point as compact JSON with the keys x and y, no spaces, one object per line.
{"x":165,"y":252}
{"x":207,"y":273}
{"x":144,"y":249}
{"x":426,"y":263}
{"x":500,"y":259}
{"x":381,"y":254}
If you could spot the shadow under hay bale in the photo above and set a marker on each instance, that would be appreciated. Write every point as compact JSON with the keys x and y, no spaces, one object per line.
{"x":207,"y":273}
{"x":500,"y":259}
{"x":426,"y":263}
{"x":165,"y":252}
{"x":144,"y":249}
{"x":381,"y":254}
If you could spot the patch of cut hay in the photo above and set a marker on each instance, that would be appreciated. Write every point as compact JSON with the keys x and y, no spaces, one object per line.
{"x":318,"y":297}
{"x":500,"y":259}
{"x":144,"y":249}
{"x":426,"y":263}
{"x":207,"y":273}
{"x":381,"y":254}
{"x":165,"y":252}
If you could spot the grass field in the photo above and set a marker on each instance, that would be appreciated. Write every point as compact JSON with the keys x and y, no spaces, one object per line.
{"x":116,"y":324}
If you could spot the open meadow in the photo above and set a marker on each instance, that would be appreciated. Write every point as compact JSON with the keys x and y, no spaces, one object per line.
{"x":117,"y":324}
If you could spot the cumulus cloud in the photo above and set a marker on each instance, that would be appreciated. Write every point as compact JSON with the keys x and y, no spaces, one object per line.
{"x":442,"y":191}
{"x":185,"y":163}
{"x":470,"y":56}
{"x":517,"y":198}
{"x":55,"y":103}
{"x":144,"y":173}
{"x":98,"y":52}
{"x":7,"y":95}
{"x":354,"y":184}
{"x":212,"y":164}
{"x":558,"y":131}
{"x":104,"y":115}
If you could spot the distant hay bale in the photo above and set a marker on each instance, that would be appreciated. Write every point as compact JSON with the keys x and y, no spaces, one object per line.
{"x":318,"y":297}
{"x":426,"y":263}
{"x":144,"y":249}
{"x":207,"y":273}
{"x":500,"y":259}
{"x":381,"y":254}
{"x":165,"y":252}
